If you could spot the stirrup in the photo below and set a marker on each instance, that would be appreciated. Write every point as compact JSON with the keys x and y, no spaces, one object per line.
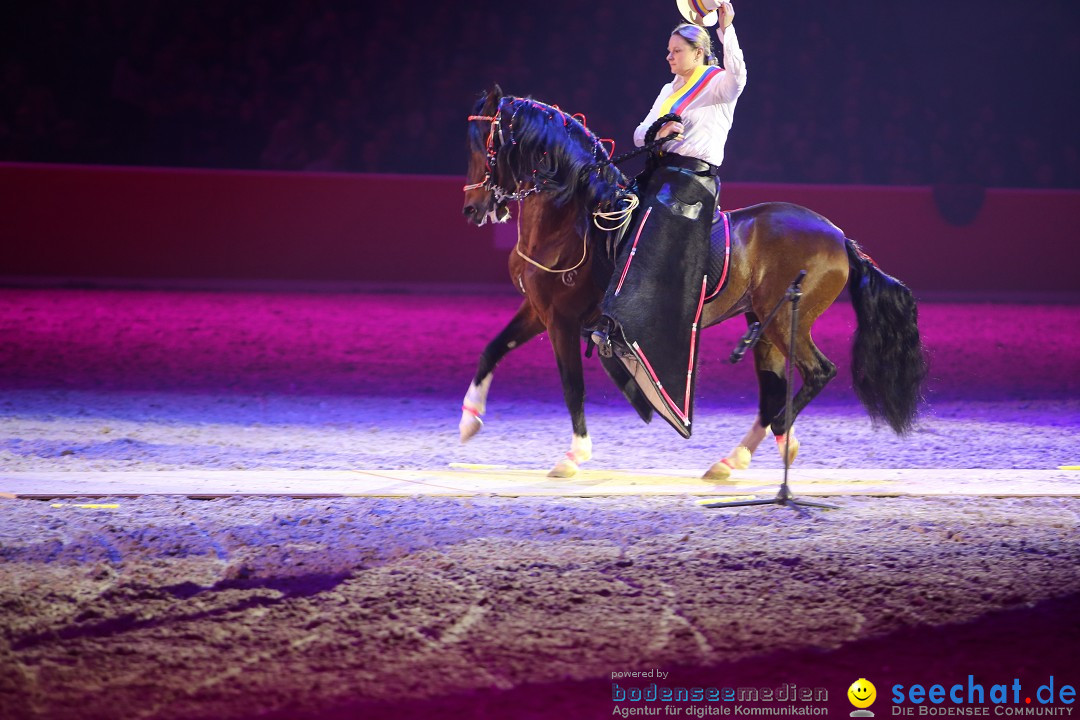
{"x":601,"y":336}
{"x":603,"y":344}
{"x":602,"y":333}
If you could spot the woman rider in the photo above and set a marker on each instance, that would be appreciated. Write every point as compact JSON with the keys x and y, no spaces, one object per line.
{"x":648,"y":309}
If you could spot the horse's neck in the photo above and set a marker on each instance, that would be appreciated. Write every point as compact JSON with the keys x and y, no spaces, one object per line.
{"x":547,"y":229}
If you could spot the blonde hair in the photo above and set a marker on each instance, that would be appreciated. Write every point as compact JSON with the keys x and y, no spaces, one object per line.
{"x":698,"y":37}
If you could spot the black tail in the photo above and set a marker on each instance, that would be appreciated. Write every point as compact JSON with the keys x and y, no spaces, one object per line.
{"x":888,"y":364}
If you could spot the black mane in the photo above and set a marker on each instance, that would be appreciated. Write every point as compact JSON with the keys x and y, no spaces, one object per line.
{"x":541,"y":143}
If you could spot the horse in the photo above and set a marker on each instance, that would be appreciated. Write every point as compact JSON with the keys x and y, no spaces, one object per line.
{"x":526,"y":151}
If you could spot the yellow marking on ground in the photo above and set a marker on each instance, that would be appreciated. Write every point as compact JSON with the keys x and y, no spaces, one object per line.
{"x":727,"y":499}
{"x":475,"y":466}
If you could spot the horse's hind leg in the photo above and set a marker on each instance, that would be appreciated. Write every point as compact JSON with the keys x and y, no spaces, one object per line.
{"x":565,"y":336}
{"x":815,"y":370}
{"x":524,"y":326}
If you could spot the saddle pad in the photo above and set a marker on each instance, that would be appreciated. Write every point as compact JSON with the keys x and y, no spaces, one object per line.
{"x":719,"y":254}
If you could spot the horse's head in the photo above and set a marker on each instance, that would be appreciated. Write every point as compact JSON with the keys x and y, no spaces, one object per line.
{"x":520,"y":147}
{"x":481,"y":203}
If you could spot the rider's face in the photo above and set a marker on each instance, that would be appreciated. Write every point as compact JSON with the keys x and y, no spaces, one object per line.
{"x":682,"y":57}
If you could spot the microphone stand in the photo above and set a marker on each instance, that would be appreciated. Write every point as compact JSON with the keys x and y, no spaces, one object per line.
{"x":753,"y":334}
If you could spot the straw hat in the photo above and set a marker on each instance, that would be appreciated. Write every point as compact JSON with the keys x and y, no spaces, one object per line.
{"x":699,"y":12}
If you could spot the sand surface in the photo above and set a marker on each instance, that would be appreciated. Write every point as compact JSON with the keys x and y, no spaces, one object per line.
{"x":171,"y":607}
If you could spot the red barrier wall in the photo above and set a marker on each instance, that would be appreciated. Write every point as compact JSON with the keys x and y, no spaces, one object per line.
{"x":64,"y":221}
{"x":170,"y":224}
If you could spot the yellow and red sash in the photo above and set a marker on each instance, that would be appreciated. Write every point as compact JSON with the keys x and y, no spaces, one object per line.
{"x":681,"y":98}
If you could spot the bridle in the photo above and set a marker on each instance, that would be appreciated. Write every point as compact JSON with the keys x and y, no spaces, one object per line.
{"x":491,"y":160}
{"x":532,"y":186}
{"x":492,"y":151}
{"x":489,"y":147}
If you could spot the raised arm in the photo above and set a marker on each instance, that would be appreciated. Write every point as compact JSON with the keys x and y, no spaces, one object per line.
{"x":734,"y":78}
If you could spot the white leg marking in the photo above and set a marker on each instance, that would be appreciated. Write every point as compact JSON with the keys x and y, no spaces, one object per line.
{"x":754,"y":436}
{"x":580,"y":451}
{"x":739,"y":458}
{"x":473,"y":407}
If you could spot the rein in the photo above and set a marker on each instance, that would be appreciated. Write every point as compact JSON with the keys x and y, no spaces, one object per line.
{"x":650,"y":143}
{"x":621,"y":217}
{"x":545,"y":268}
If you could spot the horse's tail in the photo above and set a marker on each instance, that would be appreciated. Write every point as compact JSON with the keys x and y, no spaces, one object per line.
{"x":888,"y":364}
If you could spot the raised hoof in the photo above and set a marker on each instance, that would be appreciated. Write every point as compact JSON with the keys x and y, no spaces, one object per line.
{"x":792,"y":449}
{"x":469,"y":426}
{"x":565,"y":468}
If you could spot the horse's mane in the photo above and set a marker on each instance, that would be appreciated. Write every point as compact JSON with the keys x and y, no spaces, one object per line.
{"x":542,"y":143}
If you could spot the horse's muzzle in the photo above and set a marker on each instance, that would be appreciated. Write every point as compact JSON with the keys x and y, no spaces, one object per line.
{"x":473,"y":213}
{"x":479,"y":213}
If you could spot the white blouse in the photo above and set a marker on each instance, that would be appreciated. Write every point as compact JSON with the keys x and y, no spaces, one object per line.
{"x":708,"y":116}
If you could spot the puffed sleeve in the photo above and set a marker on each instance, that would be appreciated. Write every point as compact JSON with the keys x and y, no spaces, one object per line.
{"x":654,"y":112}
{"x":733,"y":80}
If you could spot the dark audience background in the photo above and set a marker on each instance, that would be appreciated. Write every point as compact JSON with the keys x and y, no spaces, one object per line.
{"x":956,"y":92}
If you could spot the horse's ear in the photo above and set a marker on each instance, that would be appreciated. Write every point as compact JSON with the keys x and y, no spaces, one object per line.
{"x":496,"y":93}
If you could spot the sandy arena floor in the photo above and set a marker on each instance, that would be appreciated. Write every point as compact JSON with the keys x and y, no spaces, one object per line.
{"x":171,"y":607}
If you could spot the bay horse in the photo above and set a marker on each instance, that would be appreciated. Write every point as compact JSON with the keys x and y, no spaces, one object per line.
{"x":558,"y":171}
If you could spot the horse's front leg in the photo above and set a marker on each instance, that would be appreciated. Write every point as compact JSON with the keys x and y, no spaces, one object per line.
{"x":565,"y":336}
{"x":524,"y":326}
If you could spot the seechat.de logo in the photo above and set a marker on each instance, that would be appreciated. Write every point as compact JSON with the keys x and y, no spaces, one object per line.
{"x":862,"y":694}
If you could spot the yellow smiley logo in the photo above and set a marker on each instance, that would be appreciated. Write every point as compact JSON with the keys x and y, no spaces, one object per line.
{"x":862,"y":693}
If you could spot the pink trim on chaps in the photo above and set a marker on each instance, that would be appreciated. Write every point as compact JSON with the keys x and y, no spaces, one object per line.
{"x":659,"y":385}
{"x":693,"y":337}
{"x":633,"y":250}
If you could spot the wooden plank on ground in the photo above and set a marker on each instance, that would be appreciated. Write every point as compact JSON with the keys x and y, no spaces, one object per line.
{"x":466,"y":481}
